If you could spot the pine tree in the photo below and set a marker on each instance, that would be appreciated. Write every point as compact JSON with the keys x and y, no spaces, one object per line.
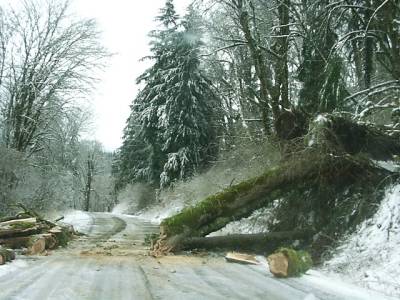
{"x":151,"y":100}
{"x":131,"y":160}
{"x":189,"y":131}
{"x":170,"y":132}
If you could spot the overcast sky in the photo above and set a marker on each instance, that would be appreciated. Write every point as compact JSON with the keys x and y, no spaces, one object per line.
{"x":125,"y":25}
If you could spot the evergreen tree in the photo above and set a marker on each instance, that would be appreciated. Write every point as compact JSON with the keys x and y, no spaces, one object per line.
{"x":189,"y":131}
{"x":170,"y":132}
{"x":131,"y":160}
{"x":150,"y":102}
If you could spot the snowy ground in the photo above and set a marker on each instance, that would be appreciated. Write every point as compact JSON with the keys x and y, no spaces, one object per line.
{"x":112,"y":263}
{"x":370,"y":257}
{"x":13,"y":266}
{"x":81,"y":221}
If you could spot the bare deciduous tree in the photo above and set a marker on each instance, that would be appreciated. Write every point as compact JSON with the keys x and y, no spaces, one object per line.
{"x":48,"y":65}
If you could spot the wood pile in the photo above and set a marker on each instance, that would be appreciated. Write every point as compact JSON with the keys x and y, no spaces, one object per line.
{"x":31,"y":234}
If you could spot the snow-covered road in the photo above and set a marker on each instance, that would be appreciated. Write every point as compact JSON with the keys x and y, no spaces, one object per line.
{"x":112,"y":263}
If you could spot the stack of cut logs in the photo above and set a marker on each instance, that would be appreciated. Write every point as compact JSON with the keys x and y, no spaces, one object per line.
{"x":31,"y":234}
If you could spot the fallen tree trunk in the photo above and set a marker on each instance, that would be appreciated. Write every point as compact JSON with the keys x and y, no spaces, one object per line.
{"x":260,"y":242}
{"x":19,"y":222}
{"x":17,"y":232}
{"x":18,"y":217}
{"x":241,"y":200}
{"x":328,"y":156}
{"x":34,"y":244}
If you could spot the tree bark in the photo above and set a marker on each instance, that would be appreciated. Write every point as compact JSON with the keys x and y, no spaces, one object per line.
{"x":17,"y":232}
{"x":283,"y":49}
{"x":266,"y":86}
{"x":259,"y":243}
{"x":34,"y":244}
{"x":21,"y":222}
{"x":89,"y":180}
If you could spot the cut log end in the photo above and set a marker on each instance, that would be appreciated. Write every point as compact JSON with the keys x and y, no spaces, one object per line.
{"x":278,"y":264}
{"x":51,"y":241}
{"x":37,"y":245}
{"x":287,"y":262}
{"x":6,"y":255}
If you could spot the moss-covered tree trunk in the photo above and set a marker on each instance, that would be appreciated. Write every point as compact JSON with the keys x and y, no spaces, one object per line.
{"x":329,"y":157}
{"x":261,"y":243}
{"x":241,"y":200}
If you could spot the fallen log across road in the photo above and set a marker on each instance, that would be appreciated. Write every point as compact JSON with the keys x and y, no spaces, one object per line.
{"x":239,"y":201}
{"x":259,"y":242}
{"x":335,"y":153}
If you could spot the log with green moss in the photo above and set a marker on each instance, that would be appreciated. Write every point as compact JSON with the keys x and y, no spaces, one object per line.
{"x":241,"y":200}
{"x":21,"y":228}
{"x":261,"y":243}
{"x":335,"y":151}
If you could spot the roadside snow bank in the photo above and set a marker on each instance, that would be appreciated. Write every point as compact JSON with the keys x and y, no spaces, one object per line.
{"x":370,"y":257}
{"x":79,"y":219}
{"x":338,"y":287}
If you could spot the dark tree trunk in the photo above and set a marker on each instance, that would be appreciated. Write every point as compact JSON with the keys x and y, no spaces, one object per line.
{"x":266,"y":86}
{"x":260,"y":243}
{"x":283,"y":42}
{"x":89,"y":180}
